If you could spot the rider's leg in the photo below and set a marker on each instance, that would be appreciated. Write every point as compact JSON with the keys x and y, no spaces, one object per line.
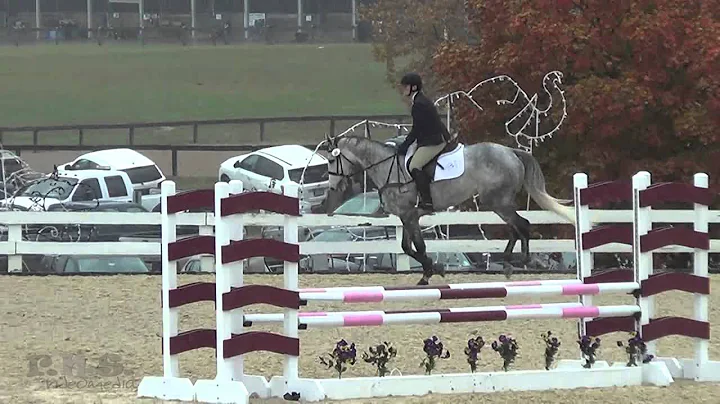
{"x":420,"y":158}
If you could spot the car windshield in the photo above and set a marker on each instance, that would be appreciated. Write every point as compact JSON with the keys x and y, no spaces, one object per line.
{"x":313,"y":174}
{"x":111,"y":265}
{"x":47,"y":188}
{"x":139,"y":175}
{"x":363,"y":204}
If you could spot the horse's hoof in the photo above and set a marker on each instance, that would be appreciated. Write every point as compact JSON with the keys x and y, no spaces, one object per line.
{"x":508,"y":268}
{"x":422,"y":282}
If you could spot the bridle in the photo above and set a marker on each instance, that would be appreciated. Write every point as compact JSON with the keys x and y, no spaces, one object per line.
{"x":340,"y":172}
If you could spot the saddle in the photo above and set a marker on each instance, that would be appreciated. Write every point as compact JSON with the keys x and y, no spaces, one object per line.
{"x":430,"y":167}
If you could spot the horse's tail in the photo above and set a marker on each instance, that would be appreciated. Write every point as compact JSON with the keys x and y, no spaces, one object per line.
{"x":535,"y":186}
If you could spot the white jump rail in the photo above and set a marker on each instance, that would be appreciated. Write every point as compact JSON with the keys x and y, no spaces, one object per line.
{"x":15,"y":246}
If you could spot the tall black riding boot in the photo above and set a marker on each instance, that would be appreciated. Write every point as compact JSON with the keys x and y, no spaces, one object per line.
{"x":422,"y":181}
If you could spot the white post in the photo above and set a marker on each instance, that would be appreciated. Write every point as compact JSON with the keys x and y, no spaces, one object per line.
{"x":192,"y":18}
{"x":227,"y":385}
{"x":291,"y":282}
{"x":170,"y":386}
{"x":583,"y":258}
{"x":15,"y":262}
{"x":299,"y":13}
{"x":168,"y":224}
{"x":37,"y":18}
{"x":223,"y":319}
{"x":246,"y":17}
{"x":354,"y":20}
{"x":235,"y":228}
{"x":89,"y":18}
{"x":700,"y":268}
{"x":141,"y":11}
{"x":643,"y":262}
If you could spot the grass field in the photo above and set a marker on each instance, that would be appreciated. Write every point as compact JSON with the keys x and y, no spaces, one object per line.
{"x":85,"y":83}
{"x":91,"y":84}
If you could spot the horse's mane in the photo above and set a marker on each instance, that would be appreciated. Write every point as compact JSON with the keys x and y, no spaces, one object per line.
{"x":357,"y":140}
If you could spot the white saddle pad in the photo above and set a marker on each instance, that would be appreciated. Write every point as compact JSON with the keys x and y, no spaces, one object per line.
{"x":452,"y":162}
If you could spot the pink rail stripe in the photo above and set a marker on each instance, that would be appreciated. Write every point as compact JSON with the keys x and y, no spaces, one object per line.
{"x":524,"y":306}
{"x":351,"y":320}
{"x":580,"y":312}
{"x":363,"y":297}
{"x":580,"y":289}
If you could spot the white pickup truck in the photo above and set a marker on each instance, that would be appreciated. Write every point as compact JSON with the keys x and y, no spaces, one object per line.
{"x":77,"y":186}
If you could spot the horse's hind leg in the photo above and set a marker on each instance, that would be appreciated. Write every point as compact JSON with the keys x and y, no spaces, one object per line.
{"x":519,"y":230}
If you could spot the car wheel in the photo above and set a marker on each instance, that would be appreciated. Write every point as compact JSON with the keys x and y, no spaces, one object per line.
{"x":224,"y":178}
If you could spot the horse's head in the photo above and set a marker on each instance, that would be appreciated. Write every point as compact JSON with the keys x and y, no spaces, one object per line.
{"x":340,"y":170}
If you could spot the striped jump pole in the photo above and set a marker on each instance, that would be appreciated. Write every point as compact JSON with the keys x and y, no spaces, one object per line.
{"x":307,"y":316}
{"x":475,"y":292}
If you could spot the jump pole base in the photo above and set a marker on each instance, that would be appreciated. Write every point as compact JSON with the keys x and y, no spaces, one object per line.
{"x":215,"y":391}
{"x":568,"y":376}
{"x":682,"y":368}
{"x":166,"y":388}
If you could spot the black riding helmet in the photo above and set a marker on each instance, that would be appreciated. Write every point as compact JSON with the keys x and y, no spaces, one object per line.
{"x":412,"y":80}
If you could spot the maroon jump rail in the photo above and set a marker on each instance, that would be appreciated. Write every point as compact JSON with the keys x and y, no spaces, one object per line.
{"x":464,"y":317}
{"x":260,"y":294}
{"x":260,"y":247}
{"x":607,"y":234}
{"x":192,"y":293}
{"x":681,"y":235}
{"x":251,"y":201}
{"x":611,"y":276}
{"x":261,"y":341}
{"x":188,"y":200}
{"x":190,"y":246}
{"x":664,"y":326}
{"x":606,"y":325}
{"x":604,"y":192}
{"x":664,"y":282}
{"x":675,"y":192}
{"x":191,"y":340}
{"x":473,"y":293}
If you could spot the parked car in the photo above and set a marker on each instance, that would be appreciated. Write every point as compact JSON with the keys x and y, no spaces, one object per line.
{"x":73,"y":186}
{"x":94,"y":264}
{"x":273,"y":168}
{"x":91,"y":232}
{"x":144,"y":174}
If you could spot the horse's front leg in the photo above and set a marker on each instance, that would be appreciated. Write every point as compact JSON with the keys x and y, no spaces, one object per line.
{"x":412,"y":227}
{"x":406,"y":245}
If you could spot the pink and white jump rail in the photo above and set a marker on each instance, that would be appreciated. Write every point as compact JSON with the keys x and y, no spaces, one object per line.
{"x":231,"y":295}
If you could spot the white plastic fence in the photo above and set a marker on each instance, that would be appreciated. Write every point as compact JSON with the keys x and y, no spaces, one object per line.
{"x":15,"y":247}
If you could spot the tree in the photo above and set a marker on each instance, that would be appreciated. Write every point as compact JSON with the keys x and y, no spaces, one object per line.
{"x":642,"y":79}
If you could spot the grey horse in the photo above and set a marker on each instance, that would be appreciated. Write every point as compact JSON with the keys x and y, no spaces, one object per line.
{"x":493,"y":172}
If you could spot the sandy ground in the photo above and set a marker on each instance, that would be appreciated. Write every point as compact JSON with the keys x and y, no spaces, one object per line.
{"x":117,"y":319}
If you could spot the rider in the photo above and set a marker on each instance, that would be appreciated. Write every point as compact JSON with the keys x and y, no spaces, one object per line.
{"x":428,"y":131}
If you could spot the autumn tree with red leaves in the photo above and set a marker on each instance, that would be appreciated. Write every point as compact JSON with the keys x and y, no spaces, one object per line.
{"x":642,"y":77}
